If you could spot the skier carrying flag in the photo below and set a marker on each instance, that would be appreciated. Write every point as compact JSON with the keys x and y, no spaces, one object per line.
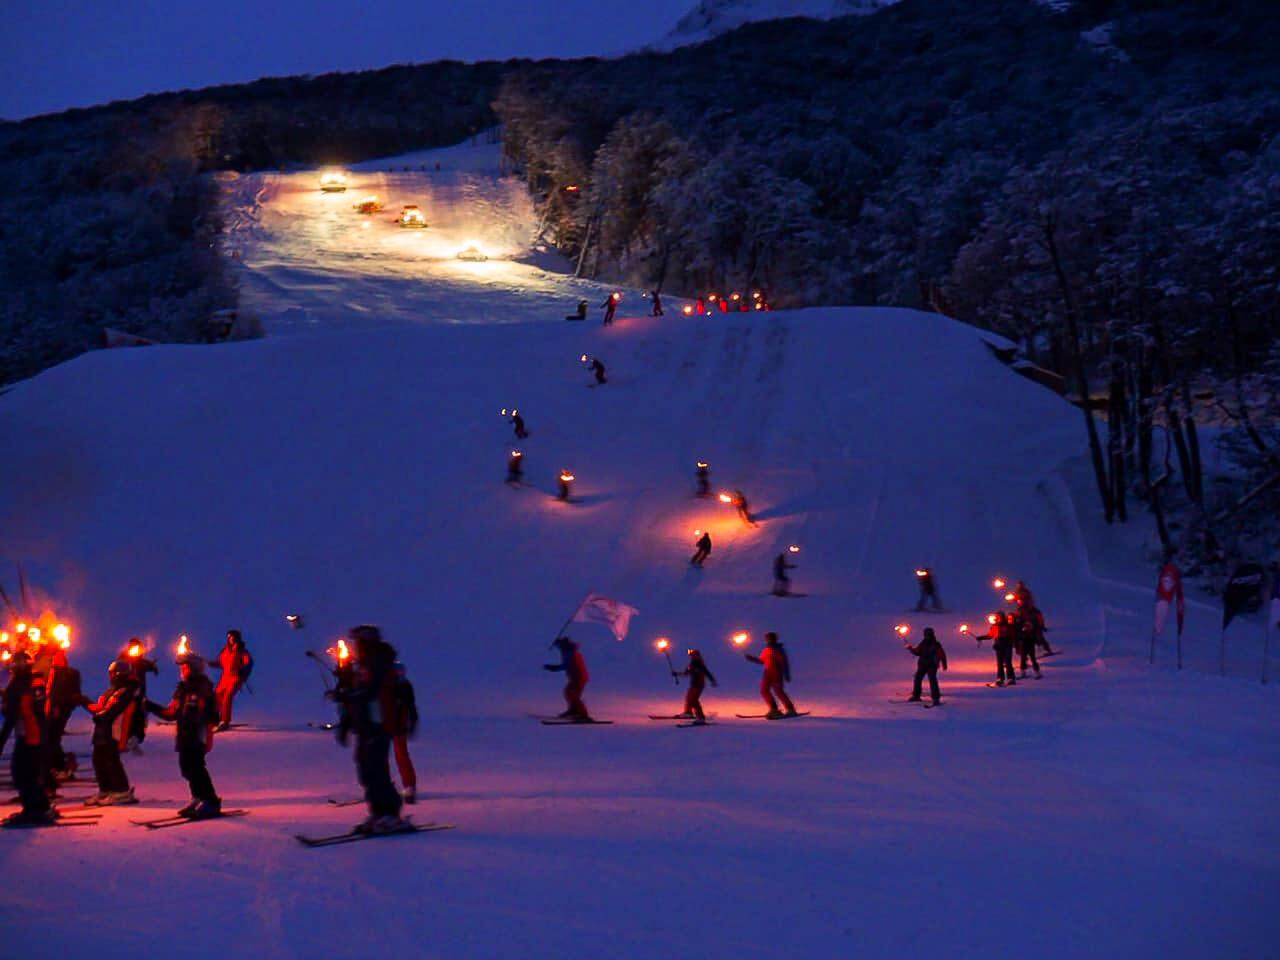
{"x":930,"y":655}
{"x":698,"y":675}
{"x":370,"y":702}
{"x":194,"y":710}
{"x":777,"y":673}
{"x":574,"y":666}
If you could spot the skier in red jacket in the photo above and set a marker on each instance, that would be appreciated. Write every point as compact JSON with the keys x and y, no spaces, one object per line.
{"x":698,"y":674}
{"x":574,"y":666}
{"x":777,"y":672}
{"x":236,"y":664}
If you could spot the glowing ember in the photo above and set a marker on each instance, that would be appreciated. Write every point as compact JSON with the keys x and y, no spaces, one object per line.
{"x":741,"y":639}
{"x":4,"y":636}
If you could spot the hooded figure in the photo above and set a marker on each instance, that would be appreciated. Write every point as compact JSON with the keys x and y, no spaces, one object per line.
{"x":930,"y":656}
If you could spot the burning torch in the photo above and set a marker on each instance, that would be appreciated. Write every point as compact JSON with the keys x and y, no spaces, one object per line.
{"x":664,"y":645}
{"x":62,"y":634}
{"x":903,"y":630}
{"x":564,"y":484}
{"x":740,"y":639}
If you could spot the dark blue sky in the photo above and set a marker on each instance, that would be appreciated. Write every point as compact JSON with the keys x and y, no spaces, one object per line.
{"x":56,"y":54}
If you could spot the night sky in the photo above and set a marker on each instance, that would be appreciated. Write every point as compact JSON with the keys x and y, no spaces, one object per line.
{"x":56,"y":54}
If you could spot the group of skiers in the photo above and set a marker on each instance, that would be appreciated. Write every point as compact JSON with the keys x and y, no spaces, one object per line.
{"x":775,"y":676}
{"x":43,"y":690}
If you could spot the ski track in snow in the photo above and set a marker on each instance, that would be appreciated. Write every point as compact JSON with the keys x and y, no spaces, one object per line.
{"x":349,"y":467}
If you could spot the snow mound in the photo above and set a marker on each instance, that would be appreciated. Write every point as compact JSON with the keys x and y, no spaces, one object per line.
{"x":713,"y":17}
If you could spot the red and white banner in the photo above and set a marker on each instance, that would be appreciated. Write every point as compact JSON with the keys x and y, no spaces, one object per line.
{"x":1168,"y":589}
{"x":614,"y":614}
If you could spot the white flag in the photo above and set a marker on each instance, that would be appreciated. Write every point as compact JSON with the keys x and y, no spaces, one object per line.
{"x":612,"y":613}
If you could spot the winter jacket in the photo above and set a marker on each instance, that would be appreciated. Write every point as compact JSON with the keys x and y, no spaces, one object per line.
{"x":371,"y":698}
{"x":697,"y":673}
{"x":24,"y":709}
{"x":931,"y":653}
{"x":194,"y":708}
{"x":774,"y":660}
{"x":113,"y":715}
{"x":573,"y":663}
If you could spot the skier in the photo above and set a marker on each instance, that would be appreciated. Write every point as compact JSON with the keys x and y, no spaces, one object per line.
{"x":781,"y":582}
{"x":1022,"y":596}
{"x":702,"y":476}
{"x":597,"y":368}
{"x":112,"y":721}
{"x":62,"y":695}
{"x":574,"y":666}
{"x":657,"y":304}
{"x":610,"y":306}
{"x":371,"y":703}
{"x":563,"y":484}
{"x":194,"y":709}
{"x":517,"y":421}
{"x":1001,"y":637}
{"x":1168,"y":589}
{"x":1025,"y":632}
{"x":1039,"y":633}
{"x":930,"y":654}
{"x":581,"y":313}
{"x":236,"y":664}
{"x":515,"y":467}
{"x":777,"y":673}
{"x":698,"y":675}
{"x":703,"y":551}
{"x":23,"y":711}
{"x":133,"y":653}
{"x":404,"y":725}
{"x":928,"y":589}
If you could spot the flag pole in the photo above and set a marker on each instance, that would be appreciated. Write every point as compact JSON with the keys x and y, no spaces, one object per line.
{"x":564,"y":626}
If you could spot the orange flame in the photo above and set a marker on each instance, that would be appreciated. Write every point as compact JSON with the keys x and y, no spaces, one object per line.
{"x":964,"y":628}
{"x":182,"y":645}
{"x":998,"y":583}
{"x":701,"y":465}
{"x":516,"y":453}
{"x":62,"y":633}
{"x":793,"y":548}
{"x":687,"y":310}
{"x":6,"y":655}
{"x":725,"y":498}
{"x":583,"y":358}
{"x":135,"y":650}
{"x":922,"y":573}
{"x":1009,"y":598}
{"x":20,"y":629}
{"x":4,"y":636}
{"x":991,"y":619}
{"x":566,"y":476}
{"x":741,"y":638}
{"x":663,"y":643}
{"x":33,"y":634}
{"x":343,"y":653}
{"x":902,"y":629}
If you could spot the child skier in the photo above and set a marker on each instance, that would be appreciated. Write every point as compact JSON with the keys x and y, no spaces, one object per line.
{"x":698,"y":675}
{"x":928,"y":589}
{"x":574,"y":666}
{"x":777,"y":673}
{"x":112,"y":721}
{"x":930,"y":654}
{"x":704,"y":549}
{"x":236,"y":664}
{"x":1001,"y":637}
{"x":194,"y":710}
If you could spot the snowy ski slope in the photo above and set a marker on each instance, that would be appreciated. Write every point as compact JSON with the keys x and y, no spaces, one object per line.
{"x":349,"y":468}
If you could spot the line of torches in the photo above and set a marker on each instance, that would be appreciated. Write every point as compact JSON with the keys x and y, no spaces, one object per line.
{"x":999,"y":583}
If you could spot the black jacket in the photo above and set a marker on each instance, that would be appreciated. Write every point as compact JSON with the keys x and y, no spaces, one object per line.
{"x":193,"y":708}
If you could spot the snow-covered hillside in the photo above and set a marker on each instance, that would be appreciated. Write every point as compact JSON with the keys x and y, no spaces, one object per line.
{"x":710,"y":18}
{"x":351,"y":471}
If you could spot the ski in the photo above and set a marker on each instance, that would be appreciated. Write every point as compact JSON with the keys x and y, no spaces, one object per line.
{"x":671,"y":716}
{"x":994,"y":684}
{"x":575,"y":723}
{"x":344,"y":803}
{"x":765,"y":716}
{"x":15,"y":825}
{"x":696,"y":723}
{"x":351,"y":836}
{"x":161,"y":823}
{"x":321,"y":726}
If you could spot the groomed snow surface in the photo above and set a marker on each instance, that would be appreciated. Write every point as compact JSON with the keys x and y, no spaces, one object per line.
{"x":349,"y":468}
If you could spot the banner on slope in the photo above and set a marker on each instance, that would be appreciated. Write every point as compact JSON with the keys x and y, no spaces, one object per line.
{"x":1243,"y":593}
{"x":614,"y":614}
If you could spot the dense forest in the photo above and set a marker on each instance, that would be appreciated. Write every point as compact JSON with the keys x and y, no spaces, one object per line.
{"x":1099,"y":184}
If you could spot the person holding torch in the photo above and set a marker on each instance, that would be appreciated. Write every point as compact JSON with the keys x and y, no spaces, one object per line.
{"x":698,"y":675}
{"x":777,"y":673}
{"x":930,"y":655}
{"x":194,"y":711}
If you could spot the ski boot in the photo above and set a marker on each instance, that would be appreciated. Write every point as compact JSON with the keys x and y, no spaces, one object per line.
{"x":207,"y":809}
{"x":189,"y":810}
{"x":410,"y":795}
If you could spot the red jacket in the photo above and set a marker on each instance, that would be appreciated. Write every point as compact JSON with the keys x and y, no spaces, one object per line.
{"x":233,"y":663}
